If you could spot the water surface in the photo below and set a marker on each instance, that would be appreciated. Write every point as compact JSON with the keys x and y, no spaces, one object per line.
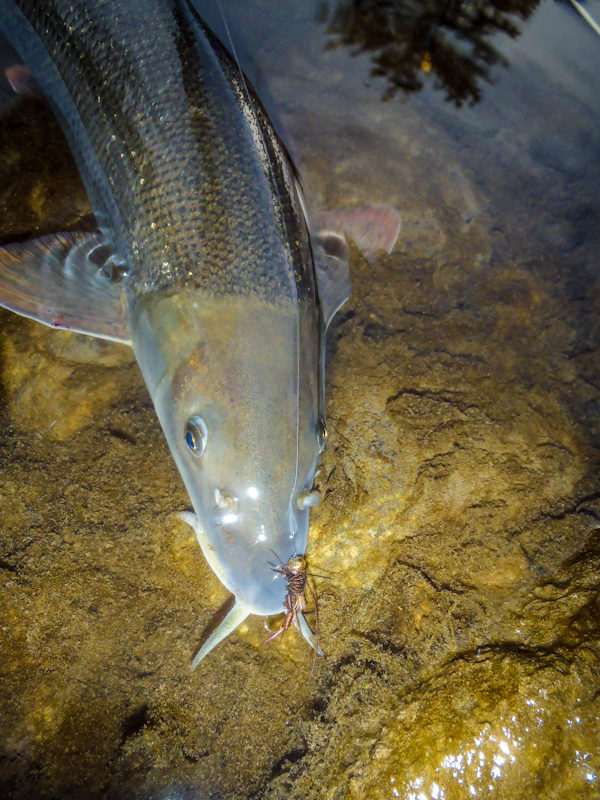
{"x":459,"y":525}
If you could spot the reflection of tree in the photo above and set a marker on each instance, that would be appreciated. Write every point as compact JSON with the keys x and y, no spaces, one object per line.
{"x":409,"y":38}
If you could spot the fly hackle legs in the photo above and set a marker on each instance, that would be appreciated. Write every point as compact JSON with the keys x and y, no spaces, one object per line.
{"x":296,"y":581}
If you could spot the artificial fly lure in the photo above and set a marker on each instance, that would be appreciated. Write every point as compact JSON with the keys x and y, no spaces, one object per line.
{"x":296,"y":581}
{"x":203,"y":263}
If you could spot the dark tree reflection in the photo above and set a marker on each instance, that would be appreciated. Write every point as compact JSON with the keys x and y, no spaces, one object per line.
{"x":410,"y":39}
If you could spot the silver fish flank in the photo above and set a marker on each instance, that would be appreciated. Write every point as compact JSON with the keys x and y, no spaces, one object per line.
{"x":203,"y":263}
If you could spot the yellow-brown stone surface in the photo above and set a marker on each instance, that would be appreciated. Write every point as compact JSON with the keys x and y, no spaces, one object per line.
{"x":459,"y":533}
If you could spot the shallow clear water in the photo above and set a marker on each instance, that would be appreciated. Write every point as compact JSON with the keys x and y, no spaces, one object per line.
{"x":460,"y":520}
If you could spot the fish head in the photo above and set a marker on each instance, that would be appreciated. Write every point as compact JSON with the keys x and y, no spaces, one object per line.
{"x":235,"y":385}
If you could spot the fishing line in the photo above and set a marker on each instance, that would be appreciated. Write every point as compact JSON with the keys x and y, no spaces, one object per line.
{"x":587,"y":17}
{"x":242,"y":76}
{"x":250,"y":105}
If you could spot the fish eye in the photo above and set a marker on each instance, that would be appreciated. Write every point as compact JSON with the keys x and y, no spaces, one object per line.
{"x":196,"y":434}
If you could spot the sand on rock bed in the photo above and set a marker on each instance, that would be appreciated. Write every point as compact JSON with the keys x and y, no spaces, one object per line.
{"x":459,"y":533}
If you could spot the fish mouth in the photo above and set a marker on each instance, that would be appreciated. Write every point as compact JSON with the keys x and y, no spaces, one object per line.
{"x":264,"y":601}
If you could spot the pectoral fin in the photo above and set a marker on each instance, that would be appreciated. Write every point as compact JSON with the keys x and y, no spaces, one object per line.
{"x":331,"y":255}
{"x":372,"y":228}
{"x":22,"y":81}
{"x":64,"y":281}
{"x":235,"y":618}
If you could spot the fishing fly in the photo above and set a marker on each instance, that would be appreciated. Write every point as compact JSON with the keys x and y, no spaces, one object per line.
{"x":296,"y":581}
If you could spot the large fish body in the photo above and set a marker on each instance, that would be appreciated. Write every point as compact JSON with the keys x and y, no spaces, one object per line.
{"x":203,"y":263}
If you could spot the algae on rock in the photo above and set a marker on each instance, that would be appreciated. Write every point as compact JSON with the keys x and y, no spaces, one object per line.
{"x":458,"y":535}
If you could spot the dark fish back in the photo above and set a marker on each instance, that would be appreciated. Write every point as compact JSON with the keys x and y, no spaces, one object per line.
{"x":184,"y":171}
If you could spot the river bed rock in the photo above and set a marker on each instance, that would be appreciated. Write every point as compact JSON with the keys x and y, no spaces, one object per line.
{"x":457,"y":546}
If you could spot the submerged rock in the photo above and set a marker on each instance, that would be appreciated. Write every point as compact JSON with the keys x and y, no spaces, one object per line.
{"x":493,"y":724}
{"x":457,"y":547}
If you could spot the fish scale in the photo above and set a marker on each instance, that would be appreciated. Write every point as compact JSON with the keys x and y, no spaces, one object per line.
{"x":203,"y":264}
{"x":215,"y":227}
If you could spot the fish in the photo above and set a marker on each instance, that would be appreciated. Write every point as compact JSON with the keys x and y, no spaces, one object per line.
{"x":203,"y":263}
